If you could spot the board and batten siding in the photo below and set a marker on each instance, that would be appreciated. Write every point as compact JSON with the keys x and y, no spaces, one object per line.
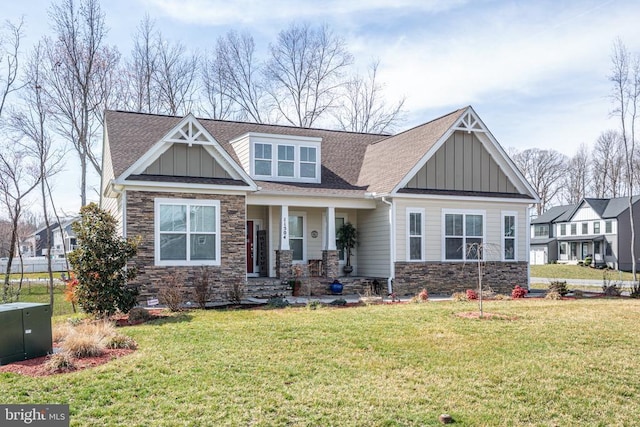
{"x":374,"y":252}
{"x":434,"y":233}
{"x":585,"y":213}
{"x":182,"y":160}
{"x":462,"y":163}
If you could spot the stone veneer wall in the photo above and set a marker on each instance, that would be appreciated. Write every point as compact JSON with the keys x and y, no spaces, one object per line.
{"x":447,"y":278}
{"x":140,"y":222}
{"x":284,"y":262}
{"x":330,"y":264}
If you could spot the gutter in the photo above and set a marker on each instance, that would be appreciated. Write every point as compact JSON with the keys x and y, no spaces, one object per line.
{"x":392,"y":239}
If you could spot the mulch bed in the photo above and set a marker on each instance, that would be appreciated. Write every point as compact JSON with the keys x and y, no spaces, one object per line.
{"x":36,"y":367}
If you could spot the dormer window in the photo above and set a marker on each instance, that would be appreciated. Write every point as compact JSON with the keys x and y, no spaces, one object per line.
{"x":283,"y":158}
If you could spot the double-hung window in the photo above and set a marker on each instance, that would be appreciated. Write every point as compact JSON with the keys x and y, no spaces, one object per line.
{"x":415,"y":234}
{"x":585,"y":228}
{"x":509,"y":236}
{"x":286,"y":160}
{"x":608,"y":227}
{"x":262,"y":159}
{"x":463,"y":235}
{"x":563,"y":229}
{"x":187,"y":232}
{"x":296,"y":236}
{"x":308,"y":162}
{"x":596,"y":227}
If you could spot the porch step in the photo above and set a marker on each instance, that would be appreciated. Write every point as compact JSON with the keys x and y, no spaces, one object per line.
{"x":267,"y":290}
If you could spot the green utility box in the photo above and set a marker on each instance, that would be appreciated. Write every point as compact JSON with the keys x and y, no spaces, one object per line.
{"x":25,"y":331}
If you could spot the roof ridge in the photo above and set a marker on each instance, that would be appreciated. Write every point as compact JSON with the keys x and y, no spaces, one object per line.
{"x":251,"y":123}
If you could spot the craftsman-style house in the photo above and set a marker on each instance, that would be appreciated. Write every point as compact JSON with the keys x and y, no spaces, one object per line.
{"x":256,"y":203}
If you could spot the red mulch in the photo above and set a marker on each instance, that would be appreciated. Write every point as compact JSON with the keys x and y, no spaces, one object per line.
{"x":35,"y":367}
{"x":485,"y":315}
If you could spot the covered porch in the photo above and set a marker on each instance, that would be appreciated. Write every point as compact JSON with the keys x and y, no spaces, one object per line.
{"x":573,"y":249}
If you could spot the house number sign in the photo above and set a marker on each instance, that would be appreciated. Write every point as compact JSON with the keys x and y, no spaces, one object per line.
{"x":284,"y":227}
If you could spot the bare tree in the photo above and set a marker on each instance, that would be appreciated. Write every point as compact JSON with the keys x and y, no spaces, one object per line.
{"x":233,"y":79}
{"x":176,"y":77}
{"x":625,"y":78}
{"x":30,"y":123}
{"x":18,"y":177}
{"x":544,"y":169}
{"x":363,"y":107}
{"x":10,"y":36}
{"x":606,"y":165}
{"x":141,"y":68}
{"x":77,"y":63}
{"x":576,"y":179}
{"x":305,"y":71}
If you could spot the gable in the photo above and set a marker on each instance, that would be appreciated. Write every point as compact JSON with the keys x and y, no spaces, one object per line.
{"x":462,"y":163}
{"x":185,"y":160}
{"x":584,"y":213}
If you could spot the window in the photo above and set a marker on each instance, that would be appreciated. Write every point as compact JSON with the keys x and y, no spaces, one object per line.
{"x":296,"y":236}
{"x":596,"y":227}
{"x":585,"y":228}
{"x":415,"y":234}
{"x":307,"y":162}
{"x":607,"y":249}
{"x":541,"y":230}
{"x":187,"y":232}
{"x":463,"y":236}
{"x":339,"y":223}
{"x":608,"y":227}
{"x":509,"y":236}
{"x":574,"y":229}
{"x":286,"y":160}
{"x":563,"y":248}
{"x":596,"y":248}
{"x":262,"y":159}
{"x":563,"y":229}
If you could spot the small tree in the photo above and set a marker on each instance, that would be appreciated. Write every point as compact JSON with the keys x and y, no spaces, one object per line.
{"x":347,"y":239}
{"x":100,"y":264}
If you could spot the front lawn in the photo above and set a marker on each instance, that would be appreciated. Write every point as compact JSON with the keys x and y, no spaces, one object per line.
{"x":560,"y":363}
{"x":567,"y":271}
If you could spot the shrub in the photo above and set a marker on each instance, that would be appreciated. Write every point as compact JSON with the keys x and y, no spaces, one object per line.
{"x":236,"y":291}
{"x":59,"y":362}
{"x":99,"y":264}
{"x":459,"y":296}
{"x":172,"y":292}
{"x":313,"y":305}
{"x":83,"y":345}
{"x":487,"y":292}
{"x":121,"y":341}
{"x":559,"y":287}
{"x":502,"y":297}
{"x":587,"y":261}
{"x":614,"y":290}
{"x":577,"y":293}
{"x":339,"y":302}
{"x":423,"y":295}
{"x":202,"y":287}
{"x":277,"y":302}
{"x":518,"y":292}
{"x":554,"y":295}
{"x":139,"y":314}
{"x":472,"y":295}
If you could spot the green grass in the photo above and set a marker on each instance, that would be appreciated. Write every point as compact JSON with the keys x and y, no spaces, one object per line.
{"x":566,"y":271}
{"x":561,"y":363}
{"x":38,"y":292}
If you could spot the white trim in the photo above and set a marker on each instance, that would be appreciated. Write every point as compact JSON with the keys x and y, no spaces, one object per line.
{"x":277,"y":137}
{"x":464,"y":213}
{"x":270,"y":241}
{"x":310,"y":201}
{"x":528,"y":243}
{"x":275,"y":159}
{"x":257,"y":224}
{"x":409,"y":211}
{"x":186,"y":202}
{"x":184,"y":188}
{"x":458,"y":197}
{"x":504,"y":214}
{"x":124,"y":213}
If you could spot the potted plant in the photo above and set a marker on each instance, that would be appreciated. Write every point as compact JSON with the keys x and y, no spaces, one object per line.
{"x":347,"y":237}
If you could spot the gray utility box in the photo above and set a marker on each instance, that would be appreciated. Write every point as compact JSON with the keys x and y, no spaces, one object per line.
{"x":25,"y":331}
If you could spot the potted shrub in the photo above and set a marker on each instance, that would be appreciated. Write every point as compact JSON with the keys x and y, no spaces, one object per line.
{"x":347,"y":237}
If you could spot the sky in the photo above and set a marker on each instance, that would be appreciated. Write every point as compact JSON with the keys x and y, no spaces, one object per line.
{"x":535,"y":71}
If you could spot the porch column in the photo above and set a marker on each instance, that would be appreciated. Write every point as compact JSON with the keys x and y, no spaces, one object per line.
{"x":330,"y":261}
{"x":284,"y":228}
{"x":331,"y":228}
{"x":284,"y":256}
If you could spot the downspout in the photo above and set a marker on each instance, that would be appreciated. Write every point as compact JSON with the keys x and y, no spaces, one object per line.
{"x":528,"y":246}
{"x":392,"y":246}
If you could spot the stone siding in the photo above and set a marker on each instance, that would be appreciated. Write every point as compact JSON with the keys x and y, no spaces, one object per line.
{"x":140,"y":222}
{"x":284,"y":262}
{"x":447,"y":278}
{"x":330,"y":264}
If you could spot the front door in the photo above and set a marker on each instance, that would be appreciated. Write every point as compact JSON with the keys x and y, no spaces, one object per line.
{"x":585,"y":249}
{"x":254,"y":248}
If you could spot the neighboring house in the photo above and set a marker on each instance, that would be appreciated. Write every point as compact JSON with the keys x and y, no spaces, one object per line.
{"x":599,"y":228}
{"x":62,"y":241}
{"x":250,"y":200}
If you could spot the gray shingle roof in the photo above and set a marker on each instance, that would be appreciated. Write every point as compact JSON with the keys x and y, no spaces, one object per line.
{"x":551,"y":214}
